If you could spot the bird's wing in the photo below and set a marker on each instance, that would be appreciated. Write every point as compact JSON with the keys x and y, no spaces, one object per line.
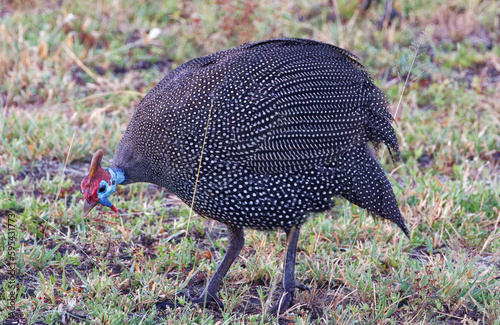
{"x":304,"y":110}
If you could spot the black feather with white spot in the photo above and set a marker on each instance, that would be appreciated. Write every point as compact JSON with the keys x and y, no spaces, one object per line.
{"x":290,"y":125}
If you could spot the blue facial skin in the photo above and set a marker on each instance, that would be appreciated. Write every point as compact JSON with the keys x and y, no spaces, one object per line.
{"x":106,"y":189}
{"x":105,"y":201}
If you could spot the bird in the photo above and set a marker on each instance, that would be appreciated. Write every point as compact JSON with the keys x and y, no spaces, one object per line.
{"x":267,"y":134}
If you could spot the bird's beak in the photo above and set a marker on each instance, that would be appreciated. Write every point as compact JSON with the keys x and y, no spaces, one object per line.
{"x":87,"y":207}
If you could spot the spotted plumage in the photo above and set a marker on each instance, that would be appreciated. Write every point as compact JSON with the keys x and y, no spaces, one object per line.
{"x":291,"y":125}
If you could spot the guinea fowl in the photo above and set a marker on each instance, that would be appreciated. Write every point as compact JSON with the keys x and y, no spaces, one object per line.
{"x":291,"y":125}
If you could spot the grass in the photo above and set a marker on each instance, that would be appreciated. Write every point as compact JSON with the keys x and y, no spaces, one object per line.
{"x":70,"y":79}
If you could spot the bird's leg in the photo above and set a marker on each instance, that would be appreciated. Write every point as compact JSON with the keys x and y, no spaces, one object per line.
{"x":236,"y":241}
{"x":289,"y":284}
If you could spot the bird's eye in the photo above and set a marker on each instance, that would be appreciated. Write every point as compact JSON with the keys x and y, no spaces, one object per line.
{"x":102,"y":189}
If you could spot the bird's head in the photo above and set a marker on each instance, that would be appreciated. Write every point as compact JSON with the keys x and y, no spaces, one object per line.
{"x":99,"y":184}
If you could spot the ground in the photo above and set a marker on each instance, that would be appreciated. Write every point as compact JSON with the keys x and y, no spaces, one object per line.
{"x":71,"y":74}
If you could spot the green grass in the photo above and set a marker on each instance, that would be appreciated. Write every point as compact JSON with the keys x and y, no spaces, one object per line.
{"x":70,"y":79}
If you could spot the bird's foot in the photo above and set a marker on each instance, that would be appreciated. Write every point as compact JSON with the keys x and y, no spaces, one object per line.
{"x":286,"y":299}
{"x":179,"y":300}
{"x":207,"y":297}
{"x":302,"y":287}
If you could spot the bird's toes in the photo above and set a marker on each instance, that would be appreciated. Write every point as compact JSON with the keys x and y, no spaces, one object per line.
{"x":179,"y":300}
{"x":285,"y":301}
{"x":167,"y":303}
{"x":207,"y":297}
{"x":302,"y":287}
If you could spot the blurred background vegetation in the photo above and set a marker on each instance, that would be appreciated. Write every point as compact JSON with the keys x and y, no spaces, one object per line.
{"x":97,"y":58}
{"x":71,"y":74}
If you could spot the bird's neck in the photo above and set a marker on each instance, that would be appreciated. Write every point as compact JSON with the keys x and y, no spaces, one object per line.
{"x":117,"y":174}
